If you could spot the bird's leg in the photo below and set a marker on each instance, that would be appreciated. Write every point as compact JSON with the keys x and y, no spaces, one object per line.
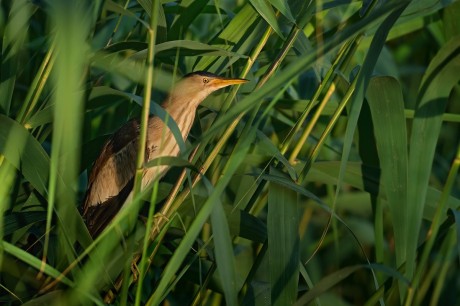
{"x":157,"y":224}
{"x":135,"y":270}
{"x":112,"y":293}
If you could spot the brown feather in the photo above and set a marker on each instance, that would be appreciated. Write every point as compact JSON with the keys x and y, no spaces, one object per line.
{"x":99,"y":216}
{"x":115,"y":166}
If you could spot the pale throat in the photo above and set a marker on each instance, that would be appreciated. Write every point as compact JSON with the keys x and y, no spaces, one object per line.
{"x":183,"y":113}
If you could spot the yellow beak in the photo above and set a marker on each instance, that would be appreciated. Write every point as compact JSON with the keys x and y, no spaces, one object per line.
{"x":223,"y":82}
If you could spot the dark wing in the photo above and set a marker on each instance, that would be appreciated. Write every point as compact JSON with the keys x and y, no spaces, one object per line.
{"x":97,"y":217}
{"x":111,"y":179}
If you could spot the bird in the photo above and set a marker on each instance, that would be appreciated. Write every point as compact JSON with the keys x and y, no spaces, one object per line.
{"x":111,"y":180}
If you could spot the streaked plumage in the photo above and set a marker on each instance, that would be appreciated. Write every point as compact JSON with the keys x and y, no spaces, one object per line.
{"x":112,"y":177}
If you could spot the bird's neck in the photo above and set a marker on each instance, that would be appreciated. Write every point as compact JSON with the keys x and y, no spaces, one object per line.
{"x":175,"y":107}
{"x":183,"y":113}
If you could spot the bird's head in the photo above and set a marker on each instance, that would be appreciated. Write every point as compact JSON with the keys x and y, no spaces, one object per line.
{"x":196,"y":86}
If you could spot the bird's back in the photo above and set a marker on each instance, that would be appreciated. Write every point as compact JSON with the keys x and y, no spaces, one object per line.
{"x":112,"y":177}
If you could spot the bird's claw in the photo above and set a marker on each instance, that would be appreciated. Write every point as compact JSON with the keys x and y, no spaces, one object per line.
{"x":135,"y":271}
{"x":156,"y":226}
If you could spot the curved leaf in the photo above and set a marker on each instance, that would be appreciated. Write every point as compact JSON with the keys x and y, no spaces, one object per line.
{"x":387,"y":107}
{"x":336,"y":277}
{"x":265,"y":10}
{"x":225,"y":258}
{"x":29,"y":157}
{"x":283,"y":244}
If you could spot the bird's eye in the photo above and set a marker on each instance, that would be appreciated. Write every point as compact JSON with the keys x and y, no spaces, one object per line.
{"x":205,"y":80}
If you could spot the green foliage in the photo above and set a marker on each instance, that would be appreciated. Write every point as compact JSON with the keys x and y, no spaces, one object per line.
{"x":330,"y":178}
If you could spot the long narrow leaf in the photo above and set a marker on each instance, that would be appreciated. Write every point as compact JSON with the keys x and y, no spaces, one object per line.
{"x":224,"y":254}
{"x":283,"y":244}
{"x":387,"y":108}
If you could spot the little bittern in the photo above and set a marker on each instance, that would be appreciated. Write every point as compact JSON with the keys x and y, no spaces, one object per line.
{"x":112,"y":177}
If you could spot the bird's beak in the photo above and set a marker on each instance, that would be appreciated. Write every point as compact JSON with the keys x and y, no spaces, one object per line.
{"x":223,"y":82}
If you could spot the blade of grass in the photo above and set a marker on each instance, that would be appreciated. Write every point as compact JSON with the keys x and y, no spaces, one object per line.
{"x":234,"y":35}
{"x":31,"y":159}
{"x":37,"y":87}
{"x":387,"y":108}
{"x":47,"y":269}
{"x":183,"y":21}
{"x":336,"y":277}
{"x":225,"y":260}
{"x":284,"y":9}
{"x":283,"y":244}
{"x":265,"y":10}
{"x":441,"y":209}
{"x":152,"y":31}
{"x":14,"y":38}
{"x":442,"y":275}
{"x":33,"y":261}
{"x":72,"y":26}
{"x":438,"y":81}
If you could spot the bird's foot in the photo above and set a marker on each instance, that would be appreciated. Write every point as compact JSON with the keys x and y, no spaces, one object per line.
{"x":135,"y":271}
{"x":159,"y":220}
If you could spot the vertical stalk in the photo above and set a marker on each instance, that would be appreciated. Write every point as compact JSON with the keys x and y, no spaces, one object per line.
{"x":71,"y":25}
{"x":143,"y":137}
{"x":311,"y":124}
{"x":38,"y":84}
